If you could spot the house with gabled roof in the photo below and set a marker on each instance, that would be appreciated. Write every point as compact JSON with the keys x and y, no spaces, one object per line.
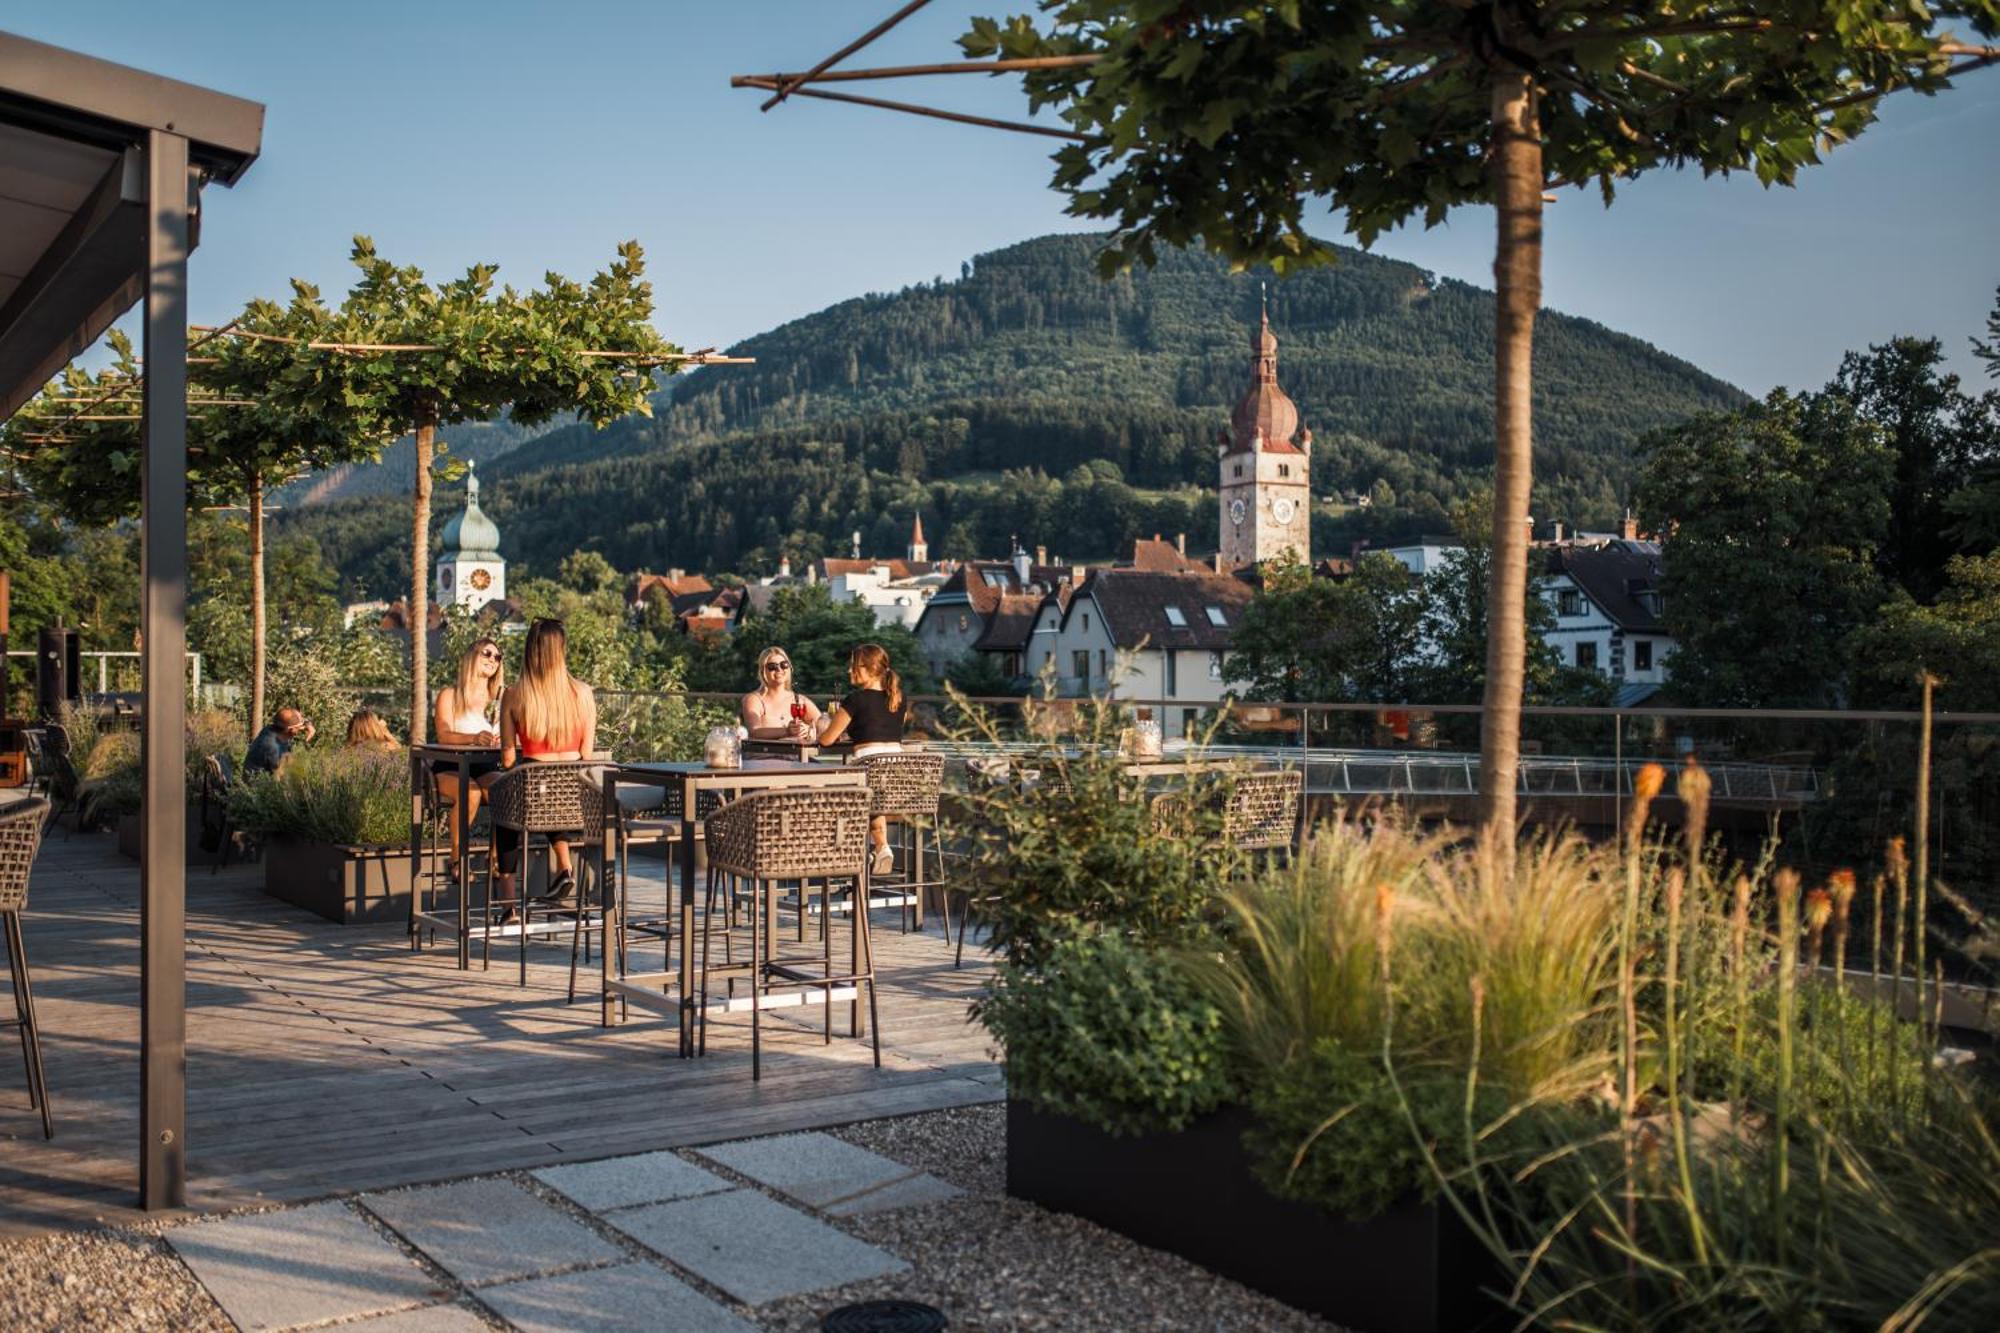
{"x":1610,"y":611}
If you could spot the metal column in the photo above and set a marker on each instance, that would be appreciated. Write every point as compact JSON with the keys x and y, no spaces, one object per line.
{"x":170,"y":191}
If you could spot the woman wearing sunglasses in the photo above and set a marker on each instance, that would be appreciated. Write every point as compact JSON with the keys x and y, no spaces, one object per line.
{"x":775,"y":710}
{"x":464,"y":715}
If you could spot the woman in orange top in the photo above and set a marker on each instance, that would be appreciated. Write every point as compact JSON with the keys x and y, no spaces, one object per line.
{"x":547,"y":715}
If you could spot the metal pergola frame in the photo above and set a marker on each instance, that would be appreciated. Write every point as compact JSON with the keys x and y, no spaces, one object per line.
{"x":128,"y":242}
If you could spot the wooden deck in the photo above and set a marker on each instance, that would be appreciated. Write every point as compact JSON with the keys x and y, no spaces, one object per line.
{"x":325,"y":1059}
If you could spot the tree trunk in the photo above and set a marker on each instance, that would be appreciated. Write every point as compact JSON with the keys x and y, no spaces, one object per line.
{"x":257,"y":612}
{"x":420,"y":559}
{"x":1517,"y":273}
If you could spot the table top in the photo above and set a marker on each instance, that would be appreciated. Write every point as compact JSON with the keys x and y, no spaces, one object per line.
{"x":752,"y":772}
{"x":446,"y":751}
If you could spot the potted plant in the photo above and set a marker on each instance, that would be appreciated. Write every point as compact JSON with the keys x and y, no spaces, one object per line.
{"x":336,"y":828}
{"x":110,"y":792}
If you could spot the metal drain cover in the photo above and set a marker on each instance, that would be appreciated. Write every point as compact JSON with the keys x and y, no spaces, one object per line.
{"x":883,"y":1317}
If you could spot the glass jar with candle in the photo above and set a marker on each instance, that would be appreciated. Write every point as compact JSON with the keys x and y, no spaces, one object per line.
{"x":723,"y":748}
{"x":1146,"y":739}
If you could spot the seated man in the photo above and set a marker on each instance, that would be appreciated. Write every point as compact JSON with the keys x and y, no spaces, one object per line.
{"x":273,"y":745}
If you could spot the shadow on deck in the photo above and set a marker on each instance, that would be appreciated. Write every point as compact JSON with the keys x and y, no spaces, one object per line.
{"x":325,"y":1059}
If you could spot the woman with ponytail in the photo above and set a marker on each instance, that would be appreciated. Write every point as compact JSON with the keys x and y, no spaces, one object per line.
{"x":871,"y":716}
{"x":549,"y":716}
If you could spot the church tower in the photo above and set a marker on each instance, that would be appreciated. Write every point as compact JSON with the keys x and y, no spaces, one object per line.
{"x":1265,"y":485}
{"x":470,"y":572}
{"x":920,"y":551}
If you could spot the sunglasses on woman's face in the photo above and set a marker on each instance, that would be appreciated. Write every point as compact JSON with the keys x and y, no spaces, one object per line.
{"x":777,"y":666}
{"x":489,"y":654}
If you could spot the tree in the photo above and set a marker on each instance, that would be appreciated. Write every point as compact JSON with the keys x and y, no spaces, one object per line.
{"x":1781,"y":507}
{"x":1215,"y":123}
{"x":400,"y":354}
{"x":817,"y":633}
{"x":1938,"y":435}
{"x":243,"y":438}
{"x":1318,"y":640}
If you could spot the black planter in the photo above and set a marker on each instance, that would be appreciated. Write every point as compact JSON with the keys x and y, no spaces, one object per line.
{"x":1414,"y":1269}
{"x":345,"y":884}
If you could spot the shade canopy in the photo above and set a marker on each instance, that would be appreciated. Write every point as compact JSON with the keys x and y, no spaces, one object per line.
{"x":73,"y":217}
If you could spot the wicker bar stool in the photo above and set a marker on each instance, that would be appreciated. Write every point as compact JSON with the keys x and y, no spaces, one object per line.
{"x":770,"y":836}
{"x":20,"y":836}
{"x":533,"y":797}
{"x":905,"y":789}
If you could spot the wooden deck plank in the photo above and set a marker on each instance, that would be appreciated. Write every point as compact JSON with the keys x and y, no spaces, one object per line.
{"x":324,"y":1059}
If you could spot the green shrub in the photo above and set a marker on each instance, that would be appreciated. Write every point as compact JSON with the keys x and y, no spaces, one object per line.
{"x":351,"y":797}
{"x":1110,"y":1033}
{"x":1087,"y":846}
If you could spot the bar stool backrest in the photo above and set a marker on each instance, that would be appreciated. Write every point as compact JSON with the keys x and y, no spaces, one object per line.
{"x":217,"y":773}
{"x":905,"y":784}
{"x":20,"y":835}
{"x":808,"y":834}
{"x":542,"y":797}
{"x":1263,"y":810}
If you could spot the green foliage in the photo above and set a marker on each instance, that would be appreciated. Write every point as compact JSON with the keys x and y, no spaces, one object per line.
{"x":1782,"y":506}
{"x":1220,"y":123}
{"x":1010,"y":380}
{"x":351,"y":797}
{"x":1110,"y":1033}
{"x":1085,"y":846}
{"x":303,"y":679}
{"x":110,"y":768}
{"x":1326,"y":640}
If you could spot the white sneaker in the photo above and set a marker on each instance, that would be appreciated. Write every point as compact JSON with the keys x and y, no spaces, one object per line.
{"x":884,"y":862}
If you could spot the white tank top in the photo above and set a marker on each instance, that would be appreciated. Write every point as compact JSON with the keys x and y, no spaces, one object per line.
{"x":471,"y":722}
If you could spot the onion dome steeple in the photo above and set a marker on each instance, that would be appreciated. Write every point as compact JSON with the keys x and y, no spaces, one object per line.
{"x":471,"y":535}
{"x":1265,"y":419}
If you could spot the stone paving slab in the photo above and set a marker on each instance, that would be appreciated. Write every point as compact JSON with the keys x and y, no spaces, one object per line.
{"x":828,"y":1173}
{"x":753,"y":1247}
{"x":626,"y":1182}
{"x":631,"y":1298}
{"x":300,"y":1266}
{"x":487,"y":1230}
{"x":430,"y":1319}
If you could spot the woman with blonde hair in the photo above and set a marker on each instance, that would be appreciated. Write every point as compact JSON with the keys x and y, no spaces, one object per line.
{"x":462,"y":715}
{"x":775,"y":710}
{"x":548,"y":715}
{"x":871,"y":716}
{"x":367,"y":731}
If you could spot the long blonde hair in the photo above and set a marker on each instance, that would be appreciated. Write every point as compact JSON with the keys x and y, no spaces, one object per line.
{"x":468,"y":674}
{"x":367,"y":728}
{"x":873,"y":659}
{"x":548,"y":712}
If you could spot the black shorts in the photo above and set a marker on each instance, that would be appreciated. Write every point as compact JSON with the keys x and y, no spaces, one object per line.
{"x":480,"y":767}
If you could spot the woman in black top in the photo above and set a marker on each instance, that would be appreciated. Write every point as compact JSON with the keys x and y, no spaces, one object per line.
{"x":871,"y":716}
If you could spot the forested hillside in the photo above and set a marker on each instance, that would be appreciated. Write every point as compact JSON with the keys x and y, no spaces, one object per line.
{"x":1029,"y":398}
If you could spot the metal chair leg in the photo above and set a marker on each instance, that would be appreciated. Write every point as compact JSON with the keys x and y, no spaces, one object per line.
{"x":38,"y":1083}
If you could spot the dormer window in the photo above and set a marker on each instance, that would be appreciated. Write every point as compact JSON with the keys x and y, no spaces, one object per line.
{"x":1569,"y":602}
{"x":1175,"y":618}
{"x":1215,"y":617}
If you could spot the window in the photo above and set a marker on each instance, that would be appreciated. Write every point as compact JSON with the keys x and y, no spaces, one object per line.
{"x":1586,"y":655}
{"x":1215,"y":666}
{"x":1086,"y":622}
{"x":1642,"y":654}
{"x":1103,"y":665}
{"x":963,"y":623}
{"x":1569,"y":602}
{"x":1239,"y":470}
{"x":1172,"y":683}
{"x":1175,"y":618}
{"x":1215,"y":617}
{"x":1080,"y":661}
{"x":1284,"y":469}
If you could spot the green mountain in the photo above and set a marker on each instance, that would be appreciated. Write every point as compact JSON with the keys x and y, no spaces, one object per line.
{"x":1030,"y":399}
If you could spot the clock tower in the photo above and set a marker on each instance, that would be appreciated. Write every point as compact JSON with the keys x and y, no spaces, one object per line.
{"x":470,"y":572}
{"x":1265,"y":484}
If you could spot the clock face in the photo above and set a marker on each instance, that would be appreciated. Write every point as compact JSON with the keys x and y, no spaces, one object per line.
{"x":1236,"y":512}
{"x":481,"y":580}
{"x":1282,"y":510}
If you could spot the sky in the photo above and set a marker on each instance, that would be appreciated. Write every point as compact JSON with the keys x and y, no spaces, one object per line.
{"x":539,"y":136}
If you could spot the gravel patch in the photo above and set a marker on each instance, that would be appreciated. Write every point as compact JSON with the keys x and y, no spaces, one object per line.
{"x":103,"y":1280}
{"x":988,"y":1261}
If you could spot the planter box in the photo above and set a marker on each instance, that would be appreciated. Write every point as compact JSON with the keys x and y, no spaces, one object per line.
{"x":128,"y":837}
{"x":344,"y":884}
{"x":1414,"y":1269}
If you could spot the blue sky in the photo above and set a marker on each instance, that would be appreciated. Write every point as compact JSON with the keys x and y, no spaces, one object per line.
{"x":540,"y":135}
